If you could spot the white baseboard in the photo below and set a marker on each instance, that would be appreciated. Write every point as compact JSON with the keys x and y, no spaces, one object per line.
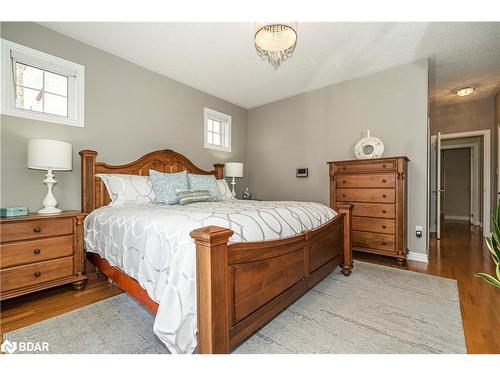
{"x":417,"y":257}
{"x":452,"y":217}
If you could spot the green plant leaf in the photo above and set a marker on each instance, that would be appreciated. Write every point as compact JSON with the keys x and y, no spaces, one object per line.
{"x":498,"y":271}
{"x":494,"y":249}
{"x":488,"y":278}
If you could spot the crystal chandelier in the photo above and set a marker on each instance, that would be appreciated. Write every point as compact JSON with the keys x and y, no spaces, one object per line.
{"x":275,"y":42}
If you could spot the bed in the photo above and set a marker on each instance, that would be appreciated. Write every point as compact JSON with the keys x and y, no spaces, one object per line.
{"x":234,"y":275}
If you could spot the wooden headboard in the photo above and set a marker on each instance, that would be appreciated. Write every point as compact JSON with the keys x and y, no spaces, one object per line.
{"x":94,"y":193}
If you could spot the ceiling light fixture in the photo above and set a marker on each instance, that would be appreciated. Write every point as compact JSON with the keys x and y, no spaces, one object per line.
{"x":464,"y":91}
{"x":275,"y":42}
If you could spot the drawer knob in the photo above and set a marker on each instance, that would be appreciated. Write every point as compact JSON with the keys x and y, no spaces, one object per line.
{"x":383,"y":165}
{"x":384,"y":243}
{"x":383,"y":226}
{"x":343,"y":181}
{"x":36,"y":251}
{"x":343,"y":167}
{"x":384,"y":180}
{"x":384,"y":196}
{"x":38,"y":274}
{"x":37,"y":230}
{"x":384,"y":211}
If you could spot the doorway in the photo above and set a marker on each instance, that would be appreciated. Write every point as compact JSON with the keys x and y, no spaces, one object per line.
{"x":467,"y":195}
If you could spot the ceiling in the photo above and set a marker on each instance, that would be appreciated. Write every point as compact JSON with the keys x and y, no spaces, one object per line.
{"x":220,"y":59}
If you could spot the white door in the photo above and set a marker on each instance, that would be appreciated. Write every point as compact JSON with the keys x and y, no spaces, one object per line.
{"x":438,"y":186}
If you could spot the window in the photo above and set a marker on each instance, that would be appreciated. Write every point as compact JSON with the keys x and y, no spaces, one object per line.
{"x":217,"y":130}
{"x":42,"y":87}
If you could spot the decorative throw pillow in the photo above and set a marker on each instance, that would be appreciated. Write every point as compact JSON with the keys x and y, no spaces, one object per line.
{"x":205,"y":182}
{"x":192,"y":196}
{"x":127,"y":188}
{"x":225,"y":191}
{"x":165,"y":185}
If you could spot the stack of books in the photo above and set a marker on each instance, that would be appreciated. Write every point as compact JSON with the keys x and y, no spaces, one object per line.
{"x":13,"y":211}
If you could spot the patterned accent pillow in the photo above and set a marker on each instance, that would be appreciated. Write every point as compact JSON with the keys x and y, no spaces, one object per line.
{"x":127,"y":188}
{"x":225,"y":191}
{"x":165,"y":185}
{"x":192,"y":196}
{"x":205,"y":182}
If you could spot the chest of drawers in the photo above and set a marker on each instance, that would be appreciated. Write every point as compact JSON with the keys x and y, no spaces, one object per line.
{"x":378,"y":190}
{"x":41,"y":251}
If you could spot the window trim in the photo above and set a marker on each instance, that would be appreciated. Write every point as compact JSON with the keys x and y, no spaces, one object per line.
{"x":225,"y":121}
{"x":76,"y":85}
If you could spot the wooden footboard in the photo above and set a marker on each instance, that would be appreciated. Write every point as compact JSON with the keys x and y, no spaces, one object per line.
{"x":241,"y":286}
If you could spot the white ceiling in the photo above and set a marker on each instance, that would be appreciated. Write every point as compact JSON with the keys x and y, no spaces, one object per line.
{"x":220,"y":59}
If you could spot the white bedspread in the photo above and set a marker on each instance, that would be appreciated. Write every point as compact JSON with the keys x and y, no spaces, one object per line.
{"x":151,"y":243}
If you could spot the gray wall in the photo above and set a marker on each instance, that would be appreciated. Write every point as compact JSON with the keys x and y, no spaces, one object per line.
{"x":129,"y":111}
{"x":310,"y":129}
{"x":456,"y":182}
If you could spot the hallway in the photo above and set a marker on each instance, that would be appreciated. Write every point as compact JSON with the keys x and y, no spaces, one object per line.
{"x":458,"y":255}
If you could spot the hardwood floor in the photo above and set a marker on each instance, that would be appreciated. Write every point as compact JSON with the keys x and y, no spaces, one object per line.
{"x":459,"y":254}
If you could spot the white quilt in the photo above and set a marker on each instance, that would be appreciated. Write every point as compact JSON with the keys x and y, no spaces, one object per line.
{"x":151,"y":243}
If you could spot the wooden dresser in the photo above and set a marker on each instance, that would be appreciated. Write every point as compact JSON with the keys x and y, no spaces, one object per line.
{"x":41,"y":251}
{"x":378,"y":190}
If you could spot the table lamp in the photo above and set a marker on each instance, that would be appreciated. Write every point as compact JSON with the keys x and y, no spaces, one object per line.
{"x":233,"y":170}
{"x":49,"y":155}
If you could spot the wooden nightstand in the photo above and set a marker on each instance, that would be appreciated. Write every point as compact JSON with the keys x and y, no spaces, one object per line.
{"x":41,"y":251}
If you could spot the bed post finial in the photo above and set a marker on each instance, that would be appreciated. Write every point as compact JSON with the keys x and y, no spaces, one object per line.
{"x":88,"y":187}
{"x":347,"y":263}
{"x":219,"y":171}
{"x":212,"y":289}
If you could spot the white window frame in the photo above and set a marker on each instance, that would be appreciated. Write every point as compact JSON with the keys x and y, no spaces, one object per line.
{"x":43,"y":61}
{"x":225,"y":121}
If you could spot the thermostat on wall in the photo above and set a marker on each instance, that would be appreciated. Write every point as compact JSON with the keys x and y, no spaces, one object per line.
{"x":302,"y":172}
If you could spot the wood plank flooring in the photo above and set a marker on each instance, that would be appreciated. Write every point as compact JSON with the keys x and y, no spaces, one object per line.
{"x":459,"y":254}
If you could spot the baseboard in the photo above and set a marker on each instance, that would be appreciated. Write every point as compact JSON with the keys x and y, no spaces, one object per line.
{"x":417,"y":257}
{"x":452,"y":217}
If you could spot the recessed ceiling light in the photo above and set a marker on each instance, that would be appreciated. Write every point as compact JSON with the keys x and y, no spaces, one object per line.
{"x":464,"y":91}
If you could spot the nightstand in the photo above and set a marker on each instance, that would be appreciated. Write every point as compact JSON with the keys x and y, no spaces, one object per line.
{"x":41,"y":251}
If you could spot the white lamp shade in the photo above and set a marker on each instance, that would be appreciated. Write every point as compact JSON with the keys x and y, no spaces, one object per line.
{"x":48,"y":154}
{"x":233,"y":169}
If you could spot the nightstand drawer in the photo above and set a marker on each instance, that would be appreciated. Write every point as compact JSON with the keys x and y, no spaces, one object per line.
{"x":17,"y":253}
{"x":24,"y":230}
{"x":36,"y":273}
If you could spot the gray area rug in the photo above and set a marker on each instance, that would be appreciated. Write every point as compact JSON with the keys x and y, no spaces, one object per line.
{"x":375,"y":310}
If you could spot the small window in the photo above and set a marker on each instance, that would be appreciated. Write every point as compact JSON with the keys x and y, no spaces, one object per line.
{"x":39,"y":86}
{"x":217,"y":130}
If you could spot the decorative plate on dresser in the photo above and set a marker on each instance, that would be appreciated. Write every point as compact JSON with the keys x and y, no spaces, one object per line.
{"x":378,"y":190}
{"x":41,"y":251}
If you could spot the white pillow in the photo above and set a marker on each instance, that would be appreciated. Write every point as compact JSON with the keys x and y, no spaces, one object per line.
{"x":127,"y":188}
{"x":224,"y":190}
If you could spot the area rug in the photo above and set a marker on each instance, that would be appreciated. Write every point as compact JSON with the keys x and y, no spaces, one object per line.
{"x":375,"y":310}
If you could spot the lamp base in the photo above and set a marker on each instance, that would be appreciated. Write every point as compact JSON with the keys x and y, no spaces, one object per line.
{"x":49,"y":210}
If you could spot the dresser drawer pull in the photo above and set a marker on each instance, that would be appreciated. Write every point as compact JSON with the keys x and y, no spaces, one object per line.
{"x":384,"y":243}
{"x":384,"y":227}
{"x":384,"y":196}
{"x":343,"y":195}
{"x":36,"y":251}
{"x":384,"y":211}
{"x":383,"y":165}
{"x":38,"y":274}
{"x":343,"y":181}
{"x":384,"y":180}
{"x":37,"y":230}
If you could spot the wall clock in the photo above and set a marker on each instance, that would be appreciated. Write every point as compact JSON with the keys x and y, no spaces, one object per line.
{"x":369,"y":147}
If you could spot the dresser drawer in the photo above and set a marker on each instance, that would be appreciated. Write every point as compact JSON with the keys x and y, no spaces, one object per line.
{"x":366,"y":165}
{"x":369,"y":224}
{"x":366,"y":195}
{"x":362,"y":180}
{"x":17,"y":253}
{"x":36,"y":273}
{"x":382,"y":210}
{"x":24,"y":230}
{"x":366,"y":240}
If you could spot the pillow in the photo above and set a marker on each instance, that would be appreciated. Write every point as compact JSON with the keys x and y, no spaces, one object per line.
{"x":224,"y":190}
{"x":126,"y":188}
{"x":205,"y":182}
{"x":165,"y":185}
{"x":192,"y":196}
